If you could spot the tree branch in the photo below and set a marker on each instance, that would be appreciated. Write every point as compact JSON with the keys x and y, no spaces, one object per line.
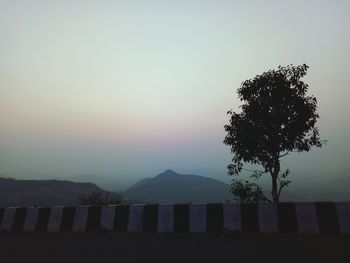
{"x":267,"y":199}
{"x":282,"y":183}
{"x":249,"y":170}
{"x":279,"y":191}
{"x":285,"y":154}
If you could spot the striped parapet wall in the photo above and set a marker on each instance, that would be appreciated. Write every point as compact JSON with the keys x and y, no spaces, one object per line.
{"x":297,"y":218}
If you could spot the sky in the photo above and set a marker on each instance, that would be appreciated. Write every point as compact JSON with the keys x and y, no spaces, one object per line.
{"x":131,"y":88}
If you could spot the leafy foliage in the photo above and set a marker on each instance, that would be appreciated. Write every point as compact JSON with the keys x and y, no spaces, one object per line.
{"x":247,"y":192}
{"x":277,"y":118}
{"x":99,"y":199}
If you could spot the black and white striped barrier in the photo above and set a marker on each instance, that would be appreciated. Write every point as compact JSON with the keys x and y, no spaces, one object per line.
{"x":323,"y":217}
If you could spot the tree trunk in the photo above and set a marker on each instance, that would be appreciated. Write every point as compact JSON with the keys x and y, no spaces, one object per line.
{"x":274,"y":175}
{"x":274,"y":192}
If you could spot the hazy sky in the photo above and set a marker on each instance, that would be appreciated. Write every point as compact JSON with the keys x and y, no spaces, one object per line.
{"x":134,"y":87}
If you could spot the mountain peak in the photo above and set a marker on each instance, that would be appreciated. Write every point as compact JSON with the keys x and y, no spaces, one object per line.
{"x":168,"y":172}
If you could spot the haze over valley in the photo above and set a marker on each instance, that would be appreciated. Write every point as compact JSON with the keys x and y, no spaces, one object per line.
{"x":166,"y":187}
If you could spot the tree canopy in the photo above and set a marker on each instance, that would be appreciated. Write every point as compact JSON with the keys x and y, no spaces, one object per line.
{"x":277,"y":117}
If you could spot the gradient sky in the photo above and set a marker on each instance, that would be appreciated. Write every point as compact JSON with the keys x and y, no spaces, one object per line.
{"x":131,"y":88}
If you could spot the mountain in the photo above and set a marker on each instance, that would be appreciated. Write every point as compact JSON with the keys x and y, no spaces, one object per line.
{"x":110,"y":183}
{"x":171,"y":187}
{"x":42,"y":192}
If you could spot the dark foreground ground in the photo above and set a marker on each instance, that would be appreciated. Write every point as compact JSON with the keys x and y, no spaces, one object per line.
{"x":178,"y":248}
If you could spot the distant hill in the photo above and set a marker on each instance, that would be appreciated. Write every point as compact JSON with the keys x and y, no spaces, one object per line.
{"x":333,"y":187}
{"x":42,"y":192}
{"x":110,"y":183}
{"x":336,"y":189}
{"x":171,"y":187}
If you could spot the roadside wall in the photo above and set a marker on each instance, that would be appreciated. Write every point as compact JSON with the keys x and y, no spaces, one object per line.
{"x":294,"y":218}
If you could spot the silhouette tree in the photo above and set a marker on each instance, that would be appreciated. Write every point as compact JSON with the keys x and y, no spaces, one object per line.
{"x":276,"y":118}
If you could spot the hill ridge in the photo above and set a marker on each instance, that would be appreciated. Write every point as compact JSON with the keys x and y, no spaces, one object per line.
{"x":170,"y":186}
